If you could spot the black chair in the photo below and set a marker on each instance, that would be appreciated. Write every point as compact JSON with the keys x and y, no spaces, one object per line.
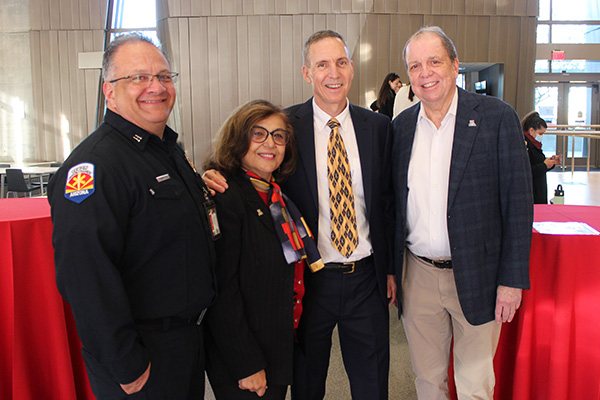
{"x":46,"y":179}
{"x":15,"y":183}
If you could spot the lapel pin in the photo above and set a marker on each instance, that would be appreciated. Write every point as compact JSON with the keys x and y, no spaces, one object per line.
{"x":259,"y":212}
{"x":472,"y":122}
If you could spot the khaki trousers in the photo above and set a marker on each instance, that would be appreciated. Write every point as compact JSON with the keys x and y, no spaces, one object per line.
{"x":432,"y":317}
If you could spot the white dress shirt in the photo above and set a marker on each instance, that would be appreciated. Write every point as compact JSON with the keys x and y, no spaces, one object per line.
{"x":322,"y":131}
{"x":428,"y":181}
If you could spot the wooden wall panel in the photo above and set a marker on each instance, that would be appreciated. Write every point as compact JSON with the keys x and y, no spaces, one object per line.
{"x":174,"y":8}
{"x":244,"y":58}
{"x":65,"y":114}
{"x":84,"y":15}
{"x":64,"y":97}
{"x":186,"y":7}
{"x":53,"y":14}
{"x":491,"y":7}
{"x":38,"y":102}
{"x":230,"y":52}
{"x":76,"y":95}
{"x":35,"y":15}
{"x":472,"y":38}
{"x":201,"y":96}
{"x":211,"y":8}
{"x":291,"y":64}
{"x":275,"y":78}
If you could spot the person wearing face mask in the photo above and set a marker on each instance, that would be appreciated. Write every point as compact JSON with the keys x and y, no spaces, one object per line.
{"x":534,"y":128}
{"x":261,"y":257}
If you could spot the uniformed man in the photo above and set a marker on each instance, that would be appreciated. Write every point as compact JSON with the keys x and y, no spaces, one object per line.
{"x":132,"y":237}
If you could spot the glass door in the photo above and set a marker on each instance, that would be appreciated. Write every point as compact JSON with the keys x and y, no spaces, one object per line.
{"x":567,"y":103}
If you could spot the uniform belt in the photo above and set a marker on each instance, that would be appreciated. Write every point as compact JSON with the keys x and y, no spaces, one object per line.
{"x":164,"y":324}
{"x":442,"y":264}
{"x":346,"y":268}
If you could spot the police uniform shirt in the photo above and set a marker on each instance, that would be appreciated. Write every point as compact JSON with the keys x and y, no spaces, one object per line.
{"x":131,"y":238}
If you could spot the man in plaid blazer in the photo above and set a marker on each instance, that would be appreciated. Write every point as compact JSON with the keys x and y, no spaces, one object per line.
{"x":464,"y":213}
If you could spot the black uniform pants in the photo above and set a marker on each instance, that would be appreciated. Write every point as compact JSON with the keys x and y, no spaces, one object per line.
{"x":176,"y":372}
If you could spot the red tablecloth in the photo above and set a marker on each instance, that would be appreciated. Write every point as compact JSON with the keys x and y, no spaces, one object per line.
{"x":40,"y":356}
{"x":551,"y":350}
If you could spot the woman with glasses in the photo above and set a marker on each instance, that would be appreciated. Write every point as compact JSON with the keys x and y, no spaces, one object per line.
{"x":261,"y":255}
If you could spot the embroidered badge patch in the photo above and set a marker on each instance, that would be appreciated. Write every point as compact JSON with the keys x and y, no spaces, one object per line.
{"x":80,"y":182}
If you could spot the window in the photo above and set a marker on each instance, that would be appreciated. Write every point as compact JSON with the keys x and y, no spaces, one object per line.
{"x":568,"y":22}
{"x":134,"y":16}
{"x":574,"y":10}
{"x":543,"y":33}
{"x":569,"y":33}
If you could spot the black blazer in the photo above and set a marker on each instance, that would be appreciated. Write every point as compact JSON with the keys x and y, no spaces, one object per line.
{"x":490,"y":210}
{"x":251,"y":323}
{"x":373,"y":136}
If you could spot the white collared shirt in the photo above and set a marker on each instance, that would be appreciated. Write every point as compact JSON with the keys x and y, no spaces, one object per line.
{"x":322,"y":131}
{"x":428,"y":181}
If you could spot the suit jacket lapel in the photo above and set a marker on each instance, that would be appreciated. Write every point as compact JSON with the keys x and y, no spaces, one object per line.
{"x":364,"y":141}
{"x":304,"y":129}
{"x":468,"y":121}
{"x":255,"y":203}
{"x":405,"y":145}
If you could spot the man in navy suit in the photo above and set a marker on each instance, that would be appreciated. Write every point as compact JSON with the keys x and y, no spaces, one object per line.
{"x":352,"y":291}
{"x":464,"y":213}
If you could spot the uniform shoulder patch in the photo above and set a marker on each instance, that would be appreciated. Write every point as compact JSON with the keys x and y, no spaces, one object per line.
{"x":80,"y":182}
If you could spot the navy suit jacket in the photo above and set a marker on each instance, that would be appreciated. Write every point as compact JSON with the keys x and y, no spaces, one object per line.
{"x":373,"y":136}
{"x":490,"y":203}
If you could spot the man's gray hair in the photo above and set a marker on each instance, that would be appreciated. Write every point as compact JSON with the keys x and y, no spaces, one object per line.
{"x":315,"y":37}
{"x":436,"y":30}
{"x":113,"y":46}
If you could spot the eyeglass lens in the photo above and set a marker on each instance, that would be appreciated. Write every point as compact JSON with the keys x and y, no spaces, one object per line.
{"x":146,"y":79}
{"x":260,"y":134}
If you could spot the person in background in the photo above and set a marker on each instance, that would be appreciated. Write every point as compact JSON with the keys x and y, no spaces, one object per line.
{"x":346,"y":197}
{"x":387,"y":93}
{"x":464,"y":213}
{"x":261,"y":257}
{"x":534,"y":128}
{"x":405,"y":98}
{"x":132,"y":236}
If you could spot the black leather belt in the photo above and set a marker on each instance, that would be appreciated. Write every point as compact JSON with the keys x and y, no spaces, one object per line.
{"x":346,"y":268}
{"x":164,"y":324}
{"x":444,"y":264}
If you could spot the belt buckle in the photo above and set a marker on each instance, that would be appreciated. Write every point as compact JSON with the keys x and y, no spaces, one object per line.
{"x":352,"y":264}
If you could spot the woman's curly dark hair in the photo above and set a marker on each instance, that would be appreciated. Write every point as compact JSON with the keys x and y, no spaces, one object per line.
{"x":233,"y":139}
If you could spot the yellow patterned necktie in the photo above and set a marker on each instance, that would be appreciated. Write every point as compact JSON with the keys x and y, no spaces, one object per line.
{"x":344,"y":234}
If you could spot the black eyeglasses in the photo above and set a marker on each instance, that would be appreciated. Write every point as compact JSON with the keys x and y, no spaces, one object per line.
{"x":258,"y":134}
{"x":145,"y":80}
